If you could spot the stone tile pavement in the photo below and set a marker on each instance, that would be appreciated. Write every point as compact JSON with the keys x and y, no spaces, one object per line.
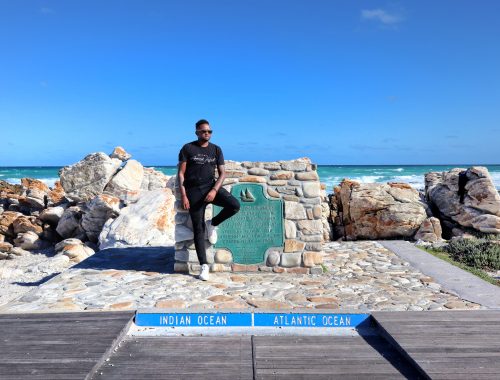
{"x":358,"y":276}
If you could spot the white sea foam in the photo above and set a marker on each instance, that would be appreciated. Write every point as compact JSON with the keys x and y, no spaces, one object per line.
{"x":367,"y":178}
{"x":50,"y":182}
{"x":14,"y":181}
{"x":399,"y":169}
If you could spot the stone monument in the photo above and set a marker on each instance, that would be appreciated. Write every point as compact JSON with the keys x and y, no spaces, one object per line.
{"x":280,"y":227}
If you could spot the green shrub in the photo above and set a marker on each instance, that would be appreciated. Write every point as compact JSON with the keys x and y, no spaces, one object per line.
{"x":477,"y":253}
{"x":484,"y":236}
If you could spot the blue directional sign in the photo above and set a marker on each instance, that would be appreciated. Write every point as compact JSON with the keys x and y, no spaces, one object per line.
{"x":194,"y":319}
{"x":279,"y":320}
{"x":309,"y":320}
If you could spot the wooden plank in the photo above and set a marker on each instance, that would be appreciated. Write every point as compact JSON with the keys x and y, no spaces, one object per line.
{"x":456,"y":344}
{"x":180,"y":358}
{"x":328,"y":357}
{"x":53,"y":345}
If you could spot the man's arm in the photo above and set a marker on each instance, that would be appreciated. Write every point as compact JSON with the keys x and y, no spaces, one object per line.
{"x":180,"y":180}
{"x":213,"y":192}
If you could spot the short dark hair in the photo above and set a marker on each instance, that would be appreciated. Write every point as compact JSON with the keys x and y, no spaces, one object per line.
{"x":201,"y":122}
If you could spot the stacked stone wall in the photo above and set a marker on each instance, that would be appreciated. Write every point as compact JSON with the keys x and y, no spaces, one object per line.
{"x":305,"y":221}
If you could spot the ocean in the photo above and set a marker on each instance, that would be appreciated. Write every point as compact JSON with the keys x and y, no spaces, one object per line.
{"x":331,"y":175}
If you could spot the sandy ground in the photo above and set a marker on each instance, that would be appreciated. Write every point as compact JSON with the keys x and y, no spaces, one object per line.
{"x":24,"y":273}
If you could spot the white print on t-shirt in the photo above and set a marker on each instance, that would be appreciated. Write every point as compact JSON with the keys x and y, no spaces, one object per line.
{"x":202,"y":159}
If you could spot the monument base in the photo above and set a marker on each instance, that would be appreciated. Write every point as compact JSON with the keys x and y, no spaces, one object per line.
{"x":281,"y":226}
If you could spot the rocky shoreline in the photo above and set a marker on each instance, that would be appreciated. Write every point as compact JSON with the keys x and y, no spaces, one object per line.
{"x":106,"y":201}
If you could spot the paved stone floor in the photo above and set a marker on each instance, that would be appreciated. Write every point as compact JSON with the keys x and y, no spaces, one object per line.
{"x":359,"y":276}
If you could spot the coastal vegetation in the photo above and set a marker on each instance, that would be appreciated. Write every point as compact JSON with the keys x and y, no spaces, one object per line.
{"x":477,"y":255}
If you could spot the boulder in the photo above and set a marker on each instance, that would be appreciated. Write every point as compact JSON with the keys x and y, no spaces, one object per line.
{"x":29,"y":241}
{"x":147,"y":222}
{"x":74,"y":249}
{"x":5,"y":247}
{"x":378,"y":211}
{"x":52,"y":214}
{"x":153,"y":179}
{"x":99,"y":210}
{"x":88,"y":178}
{"x":429,"y":231}
{"x":7,"y":189}
{"x":480,"y":207}
{"x":6,"y":220}
{"x":129,"y":178}
{"x":36,"y":192}
{"x":120,"y":154}
{"x":69,"y":224}
{"x":56,"y":194}
{"x":25,"y":224}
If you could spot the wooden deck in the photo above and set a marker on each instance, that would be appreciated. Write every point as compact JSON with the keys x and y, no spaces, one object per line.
{"x":446,"y":344}
{"x":333,"y":357}
{"x":436,"y":345}
{"x":256,"y":357}
{"x":213,"y":358}
{"x":57,"y":345}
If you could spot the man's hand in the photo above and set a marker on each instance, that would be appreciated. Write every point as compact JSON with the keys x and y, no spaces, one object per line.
{"x":185,"y":202}
{"x":211,"y":195}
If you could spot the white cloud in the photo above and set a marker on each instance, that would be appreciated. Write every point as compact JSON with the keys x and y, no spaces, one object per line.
{"x":381,"y":15}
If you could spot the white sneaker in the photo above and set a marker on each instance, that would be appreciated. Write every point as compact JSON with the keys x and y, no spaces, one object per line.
{"x":211,"y":232}
{"x":204,"y":272}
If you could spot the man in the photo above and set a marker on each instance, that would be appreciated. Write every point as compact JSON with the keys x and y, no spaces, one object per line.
{"x":196,"y":175}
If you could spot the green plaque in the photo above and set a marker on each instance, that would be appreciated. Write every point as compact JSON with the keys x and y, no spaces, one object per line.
{"x":257,"y":227}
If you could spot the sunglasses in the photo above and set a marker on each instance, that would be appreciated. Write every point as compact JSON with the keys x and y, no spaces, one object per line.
{"x":201,"y":131}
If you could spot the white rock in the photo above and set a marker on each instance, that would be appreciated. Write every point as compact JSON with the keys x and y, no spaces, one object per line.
{"x":88,"y":178}
{"x":153,"y":179}
{"x":120,"y":154}
{"x":148,"y":222}
{"x":29,"y":241}
{"x":183,"y":233}
{"x":129,"y":178}
{"x":52,"y":214}
{"x":294,"y":211}
{"x":290,"y":229}
{"x":100,"y":209}
{"x":311,"y":189}
{"x":69,"y":223}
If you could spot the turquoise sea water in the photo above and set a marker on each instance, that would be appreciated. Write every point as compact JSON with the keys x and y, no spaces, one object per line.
{"x":331,"y":175}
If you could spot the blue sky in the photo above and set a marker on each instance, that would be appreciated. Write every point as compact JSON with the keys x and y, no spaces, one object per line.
{"x":342,"y":82}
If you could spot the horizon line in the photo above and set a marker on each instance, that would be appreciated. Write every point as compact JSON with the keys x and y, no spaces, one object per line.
{"x":341,"y":165}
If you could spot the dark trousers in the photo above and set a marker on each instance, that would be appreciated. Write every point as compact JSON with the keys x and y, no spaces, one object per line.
{"x":197,"y":206}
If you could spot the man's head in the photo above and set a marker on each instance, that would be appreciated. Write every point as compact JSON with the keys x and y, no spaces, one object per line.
{"x":203,"y":130}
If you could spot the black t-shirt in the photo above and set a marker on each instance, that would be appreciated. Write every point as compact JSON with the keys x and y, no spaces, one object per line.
{"x":200,"y":163}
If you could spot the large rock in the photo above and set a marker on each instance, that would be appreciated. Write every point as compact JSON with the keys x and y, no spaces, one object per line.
{"x":29,"y":241}
{"x":74,"y":249}
{"x":25,"y":224}
{"x":378,"y":211}
{"x":52,"y":214}
{"x":147,"y":222}
{"x":120,"y":153}
{"x":7,"y":189}
{"x":36,"y":192}
{"x":129,"y":178}
{"x":69,"y":224}
{"x":56,"y":194}
{"x":480,"y":209}
{"x":7,"y":219}
{"x":88,"y":178}
{"x":99,"y":210}
{"x":153,"y":179}
{"x":430,"y":230}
